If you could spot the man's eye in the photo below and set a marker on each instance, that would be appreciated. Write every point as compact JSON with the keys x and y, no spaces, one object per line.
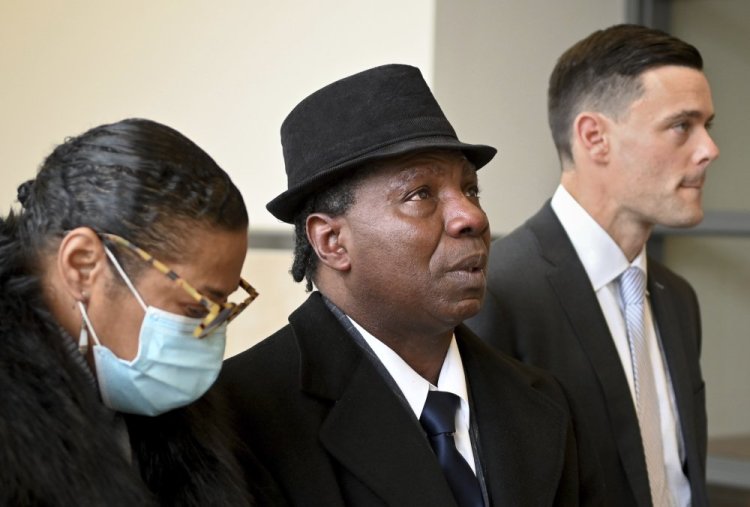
{"x":472,"y":191}
{"x":420,"y":195}
{"x":681,"y":127}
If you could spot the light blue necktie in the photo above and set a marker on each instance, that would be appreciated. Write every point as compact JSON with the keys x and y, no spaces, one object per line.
{"x":633,"y":292}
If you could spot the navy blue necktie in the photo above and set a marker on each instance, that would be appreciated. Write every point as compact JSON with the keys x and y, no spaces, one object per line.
{"x":439,"y":422}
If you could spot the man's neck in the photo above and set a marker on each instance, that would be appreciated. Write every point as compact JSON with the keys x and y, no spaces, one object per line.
{"x":422,"y":350}
{"x":424,"y":355}
{"x":626,"y":230}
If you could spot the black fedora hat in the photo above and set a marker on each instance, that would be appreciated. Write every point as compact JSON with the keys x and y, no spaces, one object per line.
{"x":382,"y":112}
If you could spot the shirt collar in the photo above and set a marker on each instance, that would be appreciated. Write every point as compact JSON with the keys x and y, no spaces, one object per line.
{"x":601,"y":257}
{"x":412,"y":384}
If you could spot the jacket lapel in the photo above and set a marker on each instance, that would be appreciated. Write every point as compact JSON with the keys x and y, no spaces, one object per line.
{"x":522,"y":434}
{"x":367,"y":430}
{"x":666,"y":320}
{"x":673,"y":334}
{"x":570,"y":283}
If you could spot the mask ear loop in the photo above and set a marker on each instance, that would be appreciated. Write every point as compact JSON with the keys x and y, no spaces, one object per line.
{"x":83,"y":336}
{"x":125,"y":278}
{"x":83,"y":340}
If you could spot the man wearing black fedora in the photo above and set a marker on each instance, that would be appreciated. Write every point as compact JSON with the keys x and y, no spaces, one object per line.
{"x":375,"y":393}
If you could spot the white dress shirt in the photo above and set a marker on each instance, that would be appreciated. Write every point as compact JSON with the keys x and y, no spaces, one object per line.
{"x":604,"y":262}
{"x":415,"y":387}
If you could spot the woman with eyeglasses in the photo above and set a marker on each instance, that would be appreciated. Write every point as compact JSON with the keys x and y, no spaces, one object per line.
{"x":115,"y":278}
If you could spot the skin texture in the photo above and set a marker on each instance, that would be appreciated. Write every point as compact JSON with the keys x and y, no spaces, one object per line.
{"x":408,"y":260}
{"x":80,"y":272}
{"x":649,"y":167}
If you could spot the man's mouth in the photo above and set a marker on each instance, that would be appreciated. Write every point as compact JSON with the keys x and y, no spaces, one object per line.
{"x":471,"y":263}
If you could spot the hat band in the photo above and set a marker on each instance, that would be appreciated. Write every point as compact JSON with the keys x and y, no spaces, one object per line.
{"x":375,"y":139}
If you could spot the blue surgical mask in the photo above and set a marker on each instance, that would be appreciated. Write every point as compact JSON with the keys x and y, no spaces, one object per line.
{"x":172,"y":369}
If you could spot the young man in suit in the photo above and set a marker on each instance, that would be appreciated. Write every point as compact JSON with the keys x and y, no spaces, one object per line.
{"x":629,"y":110}
{"x":342,"y":404}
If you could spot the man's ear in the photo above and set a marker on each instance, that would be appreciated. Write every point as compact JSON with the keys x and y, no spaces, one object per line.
{"x":325,"y":236}
{"x":81,"y":261}
{"x":591,"y":133}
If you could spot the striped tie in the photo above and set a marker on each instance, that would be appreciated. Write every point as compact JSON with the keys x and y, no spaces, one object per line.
{"x":632,"y":290}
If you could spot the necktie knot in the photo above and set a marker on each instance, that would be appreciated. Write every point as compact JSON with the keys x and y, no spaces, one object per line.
{"x":439,"y":413}
{"x":633,"y":286}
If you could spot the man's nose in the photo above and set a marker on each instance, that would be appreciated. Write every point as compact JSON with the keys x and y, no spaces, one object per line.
{"x":707,"y":151}
{"x":465,"y":217}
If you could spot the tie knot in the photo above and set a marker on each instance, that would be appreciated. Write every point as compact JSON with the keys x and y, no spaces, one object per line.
{"x":439,"y":412}
{"x":633,"y":285}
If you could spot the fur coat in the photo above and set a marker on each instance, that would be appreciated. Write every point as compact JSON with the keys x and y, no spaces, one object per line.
{"x":57,"y":442}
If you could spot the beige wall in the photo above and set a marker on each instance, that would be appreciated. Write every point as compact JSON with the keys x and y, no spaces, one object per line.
{"x":224,"y":73}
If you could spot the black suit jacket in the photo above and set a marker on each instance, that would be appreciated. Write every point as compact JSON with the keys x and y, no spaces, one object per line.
{"x":540,"y":307}
{"x":316,"y":411}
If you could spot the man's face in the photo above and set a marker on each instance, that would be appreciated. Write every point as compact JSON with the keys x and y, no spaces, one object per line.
{"x":661,"y":149}
{"x":418,"y":242}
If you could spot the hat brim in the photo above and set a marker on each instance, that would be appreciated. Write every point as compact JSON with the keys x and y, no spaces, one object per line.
{"x":287,"y":204}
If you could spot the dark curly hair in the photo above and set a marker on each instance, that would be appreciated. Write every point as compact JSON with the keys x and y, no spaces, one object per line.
{"x":335,"y":201}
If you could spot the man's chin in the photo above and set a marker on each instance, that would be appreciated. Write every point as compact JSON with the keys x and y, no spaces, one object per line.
{"x":686,"y":221}
{"x":687,"y":216}
{"x":467,"y":308}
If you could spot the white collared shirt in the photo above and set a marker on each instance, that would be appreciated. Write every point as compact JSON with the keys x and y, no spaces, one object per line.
{"x":415,"y":387}
{"x":604,"y":262}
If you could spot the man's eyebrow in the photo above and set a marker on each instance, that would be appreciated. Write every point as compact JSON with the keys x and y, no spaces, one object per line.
{"x":403,"y":177}
{"x":688,"y":114}
{"x":414,"y":169}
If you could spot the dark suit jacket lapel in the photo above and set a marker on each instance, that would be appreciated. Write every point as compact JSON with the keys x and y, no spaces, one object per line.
{"x":367,"y":429}
{"x":672,"y":333}
{"x":570,"y":282}
{"x":522,"y":434}
{"x":666,"y":319}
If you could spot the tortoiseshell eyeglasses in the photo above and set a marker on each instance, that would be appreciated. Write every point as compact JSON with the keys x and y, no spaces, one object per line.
{"x":218,"y":313}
